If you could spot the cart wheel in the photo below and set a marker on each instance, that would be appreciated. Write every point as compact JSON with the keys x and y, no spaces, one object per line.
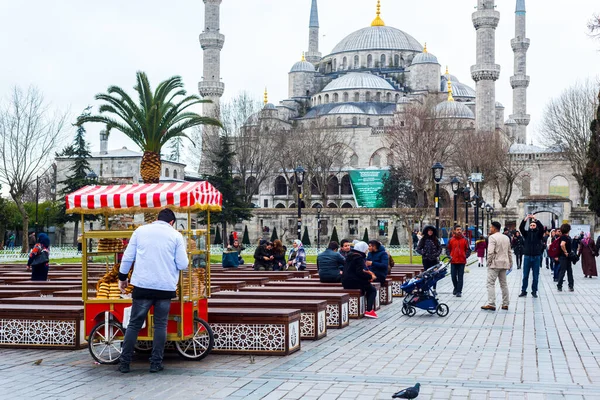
{"x":404,"y":309}
{"x":442,"y":310}
{"x":143,"y":346}
{"x":105,"y":342}
{"x":411,"y":311}
{"x":200,"y":345}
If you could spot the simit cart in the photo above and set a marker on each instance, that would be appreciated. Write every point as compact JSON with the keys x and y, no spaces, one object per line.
{"x":106,"y":311}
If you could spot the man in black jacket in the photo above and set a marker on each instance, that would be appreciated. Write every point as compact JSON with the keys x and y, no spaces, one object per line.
{"x":532,"y":250}
{"x":330,"y":264}
{"x":263,"y":257}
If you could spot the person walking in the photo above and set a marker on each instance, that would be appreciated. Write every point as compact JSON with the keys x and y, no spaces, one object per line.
{"x":357,"y":276}
{"x":330,"y":264}
{"x":588,"y":252}
{"x":480,"y":248}
{"x":566,"y":246}
{"x":499,"y":263}
{"x":532,"y":250}
{"x":159,"y":253}
{"x":518,"y":244}
{"x":39,"y":258}
{"x":378,"y":261}
{"x":429,"y":247}
{"x":458,"y":249}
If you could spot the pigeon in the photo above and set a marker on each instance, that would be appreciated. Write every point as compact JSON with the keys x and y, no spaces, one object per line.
{"x":408,"y":393}
{"x":38,"y":362}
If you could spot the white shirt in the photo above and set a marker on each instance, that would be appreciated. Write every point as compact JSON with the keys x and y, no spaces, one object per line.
{"x":159,"y":253}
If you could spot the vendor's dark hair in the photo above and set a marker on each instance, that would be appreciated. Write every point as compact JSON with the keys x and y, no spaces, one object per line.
{"x":166,"y":215}
{"x":375,"y":243}
{"x":333,"y":245}
{"x":497,"y":225}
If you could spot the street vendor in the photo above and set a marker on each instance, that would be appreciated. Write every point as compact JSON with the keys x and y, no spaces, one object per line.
{"x":159,"y":252}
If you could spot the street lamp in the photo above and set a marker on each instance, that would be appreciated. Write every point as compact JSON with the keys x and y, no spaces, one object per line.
{"x":438,"y":173}
{"x":489,"y":210}
{"x":475,"y":202}
{"x":455,"y":184}
{"x":299,"y":175}
{"x":92,"y":177}
{"x":467,"y":198}
{"x":483,"y":208}
{"x":319,"y":208}
{"x":47,"y":212}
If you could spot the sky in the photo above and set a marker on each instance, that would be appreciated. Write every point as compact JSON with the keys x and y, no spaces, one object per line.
{"x":72,"y":50}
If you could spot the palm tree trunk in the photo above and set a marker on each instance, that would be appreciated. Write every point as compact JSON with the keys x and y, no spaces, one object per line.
{"x":150,"y":169}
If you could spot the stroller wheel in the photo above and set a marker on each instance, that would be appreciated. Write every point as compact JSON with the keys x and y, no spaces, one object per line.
{"x":404,"y":309}
{"x":442,"y":310}
{"x":411,"y":311}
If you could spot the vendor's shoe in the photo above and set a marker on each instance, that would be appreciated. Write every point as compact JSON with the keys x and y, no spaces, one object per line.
{"x":124,"y":368}
{"x":505,"y":307}
{"x":156,"y":368}
{"x":534,"y":294}
{"x":523,"y":294}
{"x":371,"y":314}
{"x":488,"y":308}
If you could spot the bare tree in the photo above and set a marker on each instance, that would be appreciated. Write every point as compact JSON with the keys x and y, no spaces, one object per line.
{"x":594,"y":26}
{"x":565,"y":126}
{"x":509,"y":168}
{"x":419,"y":137}
{"x":29,"y":133}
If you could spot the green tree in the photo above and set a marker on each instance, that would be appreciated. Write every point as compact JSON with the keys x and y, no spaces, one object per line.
{"x":175,"y":148}
{"x":218,"y":239}
{"x":592,"y":170}
{"x":160,"y":116}
{"x":234,"y":209}
{"x":274,"y":235}
{"x":5,"y":219}
{"x":394,"y":241}
{"x":366,"y":235}
{"x":397,"y":190}
{"x":305,"y":237}
{"x":246,"y":237}
{"x":334,"y":236}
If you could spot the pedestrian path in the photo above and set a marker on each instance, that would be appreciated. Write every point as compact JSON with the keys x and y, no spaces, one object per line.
{"x":544,"y":348}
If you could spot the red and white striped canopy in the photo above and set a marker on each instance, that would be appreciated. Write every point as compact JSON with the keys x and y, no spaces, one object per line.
{"x":179,"y":196}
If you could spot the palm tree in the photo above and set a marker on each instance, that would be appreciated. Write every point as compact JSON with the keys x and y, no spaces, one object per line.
{"x":159,"y":117}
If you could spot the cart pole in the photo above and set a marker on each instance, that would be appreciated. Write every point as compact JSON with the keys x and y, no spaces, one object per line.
{"x":207,"y":283}
{"x":84,"y":292}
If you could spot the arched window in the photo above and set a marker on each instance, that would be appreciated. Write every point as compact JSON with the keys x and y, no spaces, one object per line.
{"x":354,"y":121}
{"x":356,"y":96}
{"x":526,"y":186}
{"x":313,"y":125}
{"x":381,"y":122}
{"x":280,"y":205}
{"x":397,"y":97}
{"x":368,"y":121}
{"x":376,"y":160}
{"x":346,"y":205}
{"x":314,"y":187}
{"x":334,"y":64}
{"x":378,"y":97}
{"x":251,"y":186}
{"x":354,"y":160}
{"x":319,"y":100}
{"x":166,"y":172}
{"x":333,"y":186}
{"x":344,"y":61}
{"x":346,"y":187}
{"x":368,"y":96}
{"x":175,"y":173}
{"x":326,"y":99}
{"x":325,"y":122}
{"x":382,"y":61}
{"x":332,"y":205}
{"x":335,"y":97}
{"x":369,"y":61}
{"x":356,"y":62}
{"x":397,"y":60}
{"x":339,"y":121}
{"x":388,"y":97}
{"x":559,"y":186}
{"x":280,"y":186}
{"x":345,"y":97}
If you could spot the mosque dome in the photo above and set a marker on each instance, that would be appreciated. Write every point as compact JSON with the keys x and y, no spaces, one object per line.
{"x":510,"y":121}
{"x":346,"y":109}
{"x":303,"y":66}
{"x":377,"y":38}
{"x":269,"y":106}
{"x":499,"y":105}
{"x":453,"y":109}
{"x":425,"y":58}
{"x":458,"y":89}
{"x":357,"y":80}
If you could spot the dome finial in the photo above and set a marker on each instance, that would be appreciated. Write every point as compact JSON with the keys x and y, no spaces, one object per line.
{"x":266,"y":99}
{"x":378,"y":21}
{"x":303,"y":59}
{"x":425,"y":48}
{"x":447,"y":73}
{"x":450,"y":98}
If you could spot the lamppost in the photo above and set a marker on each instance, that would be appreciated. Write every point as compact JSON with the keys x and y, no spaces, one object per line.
{"x":455,"y":183}
{"x":467,"y":198}
{"x":490,"y":212}
{"x":483,"y":208}
{"x":438,"y":173}
{"x":475,"y":202}
{"x":319,"y":208}
{"x":47,"y":212}
{"x":92,"y":176}
{"x":299,"y":175}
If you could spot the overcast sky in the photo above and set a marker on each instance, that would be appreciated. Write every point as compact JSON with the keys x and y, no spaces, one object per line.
{"x":72,"y":49}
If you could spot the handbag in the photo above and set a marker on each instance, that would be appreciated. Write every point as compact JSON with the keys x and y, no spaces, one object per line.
{"x":230,"y":259}
{"x":41,"y":258}
{"x":574,"y":257}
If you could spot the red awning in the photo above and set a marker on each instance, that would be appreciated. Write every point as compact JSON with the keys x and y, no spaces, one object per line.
{"x":179,"y":196}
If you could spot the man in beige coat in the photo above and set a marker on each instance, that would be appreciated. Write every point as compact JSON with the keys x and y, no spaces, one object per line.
{"x":499,"y":261}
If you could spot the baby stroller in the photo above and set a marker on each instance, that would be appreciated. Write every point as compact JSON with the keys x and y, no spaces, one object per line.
{"x":420,"y":291}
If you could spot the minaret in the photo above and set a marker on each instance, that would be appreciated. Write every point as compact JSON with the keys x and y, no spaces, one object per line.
{"x":211,"y":87}
{"x":520,"y":81}
{"x":486,"y":71}
{"x":313,"y":55}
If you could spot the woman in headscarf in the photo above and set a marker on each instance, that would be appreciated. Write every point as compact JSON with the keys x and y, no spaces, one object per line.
{"x":297,"y":258}
{"x":588,"y":252}
{"x":39,"y":258}
{"x":429,"y":247}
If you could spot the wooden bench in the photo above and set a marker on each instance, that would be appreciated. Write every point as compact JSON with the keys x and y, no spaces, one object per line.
{"x":273,"y":276}
{"x":44,"y":288}
{"x":41,"y":326}
{"x":398,"y":280}
{"x":296,"y":274}
{"x":337,"y":303}
{"x":249,"y":281}
{"x":5,"y":293}
{"x":47,"y":300}
{"x":385,"y":292}
{"x":255,"y":330}
{"x":229,"y":285}
{"x":313,"y":325}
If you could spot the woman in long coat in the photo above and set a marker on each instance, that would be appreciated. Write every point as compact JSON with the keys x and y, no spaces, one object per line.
{"x":588,"y":252}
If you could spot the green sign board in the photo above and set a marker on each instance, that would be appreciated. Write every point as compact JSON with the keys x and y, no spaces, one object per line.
{"x":366,"y":185}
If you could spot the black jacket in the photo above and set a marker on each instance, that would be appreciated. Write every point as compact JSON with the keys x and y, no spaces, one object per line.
{"x":259,"y":254}
{"x":533,"y":239}
{"x":355,"y":276}
{"x":330,"y":263}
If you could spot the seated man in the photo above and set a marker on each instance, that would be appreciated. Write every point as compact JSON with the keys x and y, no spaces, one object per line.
{"x":263,"y":258}
{"x":378,"y":260}
{"x":330,"y":264}
{"x":356,"y":276}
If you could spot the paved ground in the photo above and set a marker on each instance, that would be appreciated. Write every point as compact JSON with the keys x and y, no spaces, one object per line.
{"x":545,"y":348}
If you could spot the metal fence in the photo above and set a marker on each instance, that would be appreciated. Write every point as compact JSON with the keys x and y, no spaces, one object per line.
{"x":15,"y":254}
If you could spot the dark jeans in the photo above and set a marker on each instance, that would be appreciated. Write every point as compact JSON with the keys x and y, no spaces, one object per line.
{"x":330,"y":278}
{"x":139,"y":312}
{"x":429,"y":263}
{"x":555,"y":269}
{"x":519,"y":258}
{"x":565,"y":266}
{"x":531,"y":264}
{"x":457,"y":271}
{"x":39,"y":272}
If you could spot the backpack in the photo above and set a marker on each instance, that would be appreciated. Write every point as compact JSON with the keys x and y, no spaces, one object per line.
{"x":390,"y":262}
{"x":554,"y":249}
